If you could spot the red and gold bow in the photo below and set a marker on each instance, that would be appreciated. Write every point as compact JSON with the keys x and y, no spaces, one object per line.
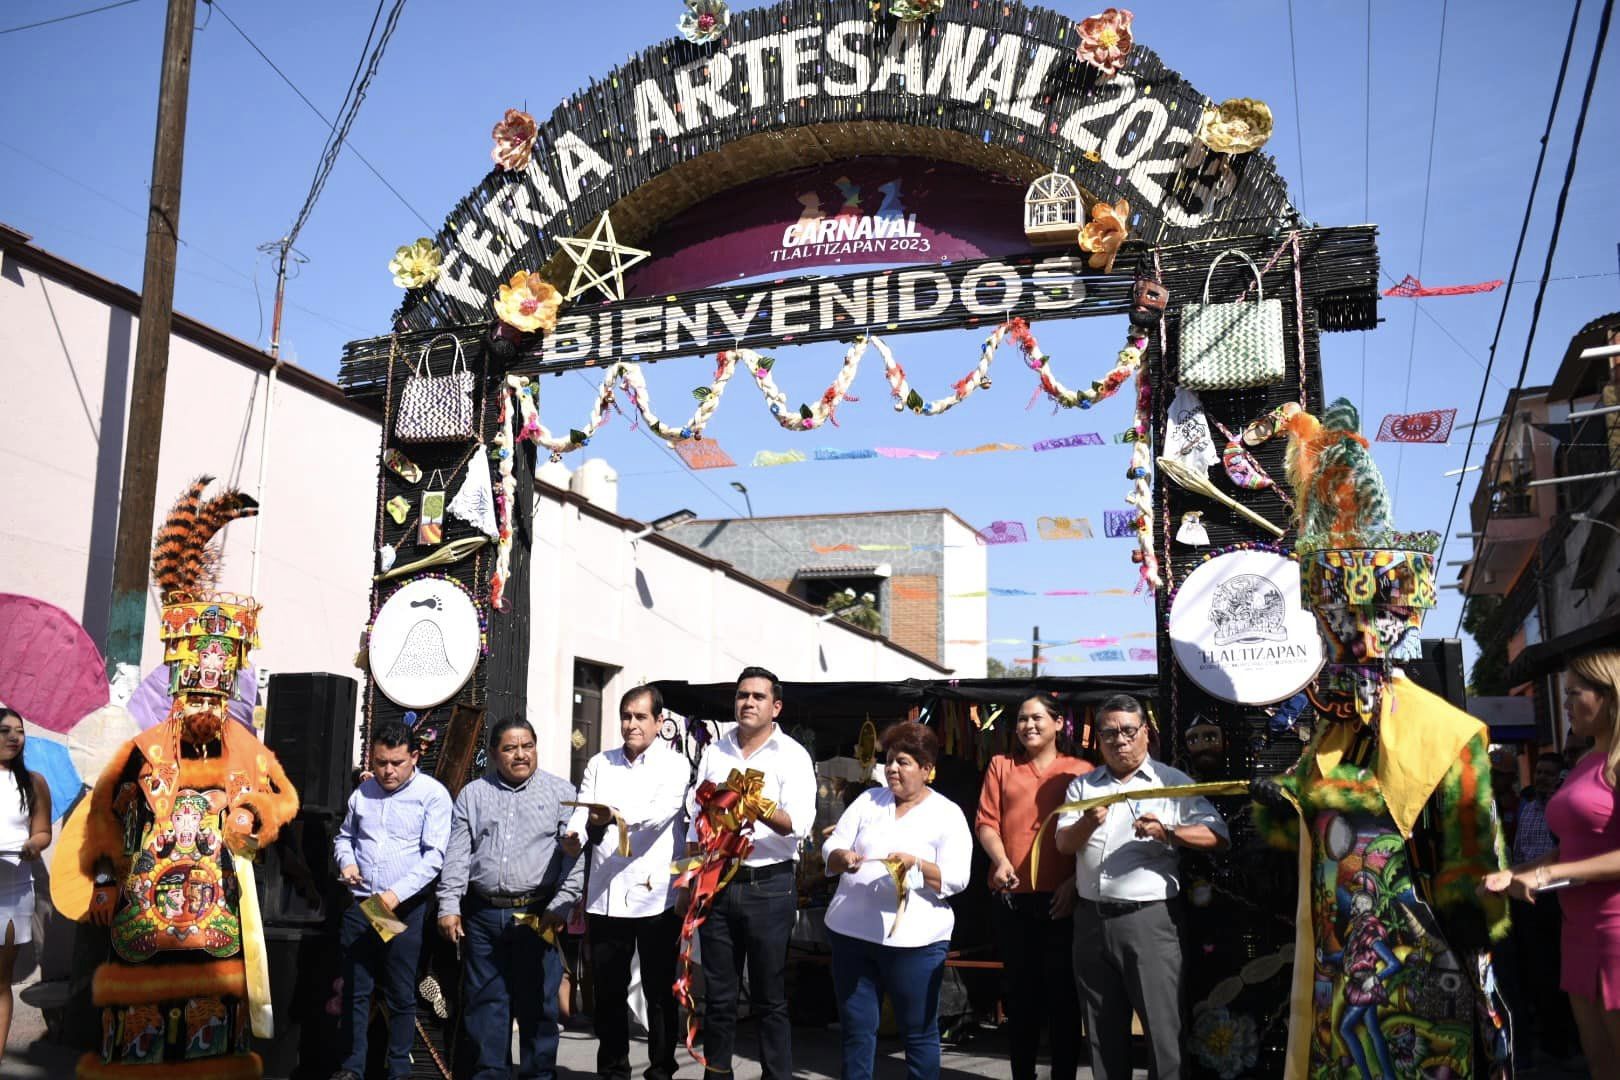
{"x":725,"y":823}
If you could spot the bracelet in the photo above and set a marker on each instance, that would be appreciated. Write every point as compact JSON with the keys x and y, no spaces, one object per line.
{"x":1541,"y":878}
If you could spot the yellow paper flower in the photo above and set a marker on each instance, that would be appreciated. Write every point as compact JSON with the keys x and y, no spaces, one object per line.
{"x":514,"y":140}
{"x":1236,"y":126}
{"x":416,"y":265}
{"x":528,"y":303}
{"x":1107,"y":229}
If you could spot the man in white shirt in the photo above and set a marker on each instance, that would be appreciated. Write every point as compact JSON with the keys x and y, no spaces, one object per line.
{"x":753,"y":917}
{"x":1127,"y":924}
{"x":628,"y":901}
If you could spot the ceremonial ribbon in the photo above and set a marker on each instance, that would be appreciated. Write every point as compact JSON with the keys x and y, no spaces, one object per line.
{"x":618,"y":819}
{"x":255,"y":963}
{"x":1179,"y":791}
{"x":726,"y":816}
{"x":897,"y":873}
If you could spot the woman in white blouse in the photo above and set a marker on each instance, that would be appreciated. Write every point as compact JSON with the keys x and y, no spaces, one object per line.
{"x":907,"y":830}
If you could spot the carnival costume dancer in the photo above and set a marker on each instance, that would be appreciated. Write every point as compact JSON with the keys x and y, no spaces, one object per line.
{"x":173,"y":824}
{"x":1394,"y":793}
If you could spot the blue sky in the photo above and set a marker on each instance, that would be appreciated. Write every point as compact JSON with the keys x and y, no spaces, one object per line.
{"x":75,"y":158}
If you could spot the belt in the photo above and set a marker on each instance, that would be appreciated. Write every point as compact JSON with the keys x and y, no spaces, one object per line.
{"x":747,"y":875}
{"x":1109,"y":909}
{"x":521,"y":900}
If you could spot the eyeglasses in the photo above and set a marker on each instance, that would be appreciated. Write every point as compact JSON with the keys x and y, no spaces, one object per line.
{"x":1127,"y":732}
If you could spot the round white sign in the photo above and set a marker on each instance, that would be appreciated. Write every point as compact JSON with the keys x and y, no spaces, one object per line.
{"x":1237,"y":629}
{"x":425,"y":643}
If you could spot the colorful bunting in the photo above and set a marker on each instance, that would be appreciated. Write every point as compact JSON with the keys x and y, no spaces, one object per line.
{"x":1090,"y":438}
{"x":705,"y":454}
{"x":824,"y":549}
{"x":1119,"y":524}
{"x":777,"y":457}
{"x":898,"y":452}
{"x":1145,"y":654}
{"x":987,"y":448}
{"x":913,"y":592}
{"x":1094,"y":642}
{"x":1104,"y":656}
{"x":824,"y":453}
{"x":1004,"y":532}
{"x":1062,"y":528}
{"x":1433,"y":426}
{"x":1410,"y":287}
{"x":1011,"y":592}
{"x":883,"y":547}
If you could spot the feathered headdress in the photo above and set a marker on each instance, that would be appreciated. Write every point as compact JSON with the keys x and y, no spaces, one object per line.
{"x":183,"y":556}
{"x":1341,"y":500}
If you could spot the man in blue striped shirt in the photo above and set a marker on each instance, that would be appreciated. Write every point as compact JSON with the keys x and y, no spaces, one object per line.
{"x":390,"y":845}
{"x":507,"y":881}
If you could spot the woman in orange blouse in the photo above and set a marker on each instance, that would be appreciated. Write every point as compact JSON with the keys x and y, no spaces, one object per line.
{"x":1034,"y":930}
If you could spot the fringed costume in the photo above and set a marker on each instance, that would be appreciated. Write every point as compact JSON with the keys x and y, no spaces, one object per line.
{"x":174,"y":822}
{"x":1392,"y":969}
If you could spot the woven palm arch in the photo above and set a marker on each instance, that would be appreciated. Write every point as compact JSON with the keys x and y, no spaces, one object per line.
{"x":611,"y":148}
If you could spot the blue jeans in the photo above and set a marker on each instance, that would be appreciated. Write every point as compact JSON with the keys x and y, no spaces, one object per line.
{"x":751,"y":924}
{"x":863,"y":971}
{"x":511,"y":973}
{"x":367,"y":963}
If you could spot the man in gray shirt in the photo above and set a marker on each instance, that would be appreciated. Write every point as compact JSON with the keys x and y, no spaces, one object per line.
{"x":507,"y":882}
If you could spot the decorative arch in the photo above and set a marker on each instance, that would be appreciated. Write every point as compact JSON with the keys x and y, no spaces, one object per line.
{"x":993,"y":86}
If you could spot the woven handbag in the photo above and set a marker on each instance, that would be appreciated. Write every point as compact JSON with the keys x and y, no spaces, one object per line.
{"x":1232,"y":345}
{"x":436,"y":408}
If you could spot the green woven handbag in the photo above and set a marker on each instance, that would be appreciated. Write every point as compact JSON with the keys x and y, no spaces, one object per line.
{"x":1232,"y":345}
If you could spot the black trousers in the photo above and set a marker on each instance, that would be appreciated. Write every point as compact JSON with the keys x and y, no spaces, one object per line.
{"x":1536,"y":943}
{"x":751,"y":924}
{"x":1037,"y":957}
{"x":656,"y":938}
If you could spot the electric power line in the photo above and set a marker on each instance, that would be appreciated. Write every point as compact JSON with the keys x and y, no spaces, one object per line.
{"x":1423,"y":233}
{"x":1299,"y":120}
{"x":65,"y":18}
{"x":1557,"y":226}
{"x":1518,"y":252}
{"x":322,"y":116}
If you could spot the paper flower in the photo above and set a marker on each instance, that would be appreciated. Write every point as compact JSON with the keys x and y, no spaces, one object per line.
{"x":1228,"y":1044}
{"x":528,"y":303}
{"x":913,"y":10}
{"x":1235,"y":126}
{"x":1105,"y":40}
{"x":1104,"y":233}
{"x":418,"y":264}
{"x":514,"y":140}
{"x":704,"y":20}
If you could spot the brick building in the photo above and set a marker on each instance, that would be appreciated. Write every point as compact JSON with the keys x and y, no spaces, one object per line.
{"x":920,"y":565}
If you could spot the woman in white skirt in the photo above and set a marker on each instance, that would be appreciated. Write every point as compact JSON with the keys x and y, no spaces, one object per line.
{"x":25,"y":831}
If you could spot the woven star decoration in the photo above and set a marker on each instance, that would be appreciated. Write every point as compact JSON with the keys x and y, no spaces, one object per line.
{"x":583,"y":250}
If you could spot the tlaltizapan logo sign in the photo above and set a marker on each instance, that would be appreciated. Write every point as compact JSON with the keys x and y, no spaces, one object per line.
{"x":876,"y":210}
{"x":889,"y":232}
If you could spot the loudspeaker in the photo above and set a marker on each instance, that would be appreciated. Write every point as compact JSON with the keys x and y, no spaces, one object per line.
{"x":309,"y":723}
{"x":1440,"y":671}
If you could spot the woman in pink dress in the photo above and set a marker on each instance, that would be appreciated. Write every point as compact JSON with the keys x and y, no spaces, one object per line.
{"x":1585,"y":816}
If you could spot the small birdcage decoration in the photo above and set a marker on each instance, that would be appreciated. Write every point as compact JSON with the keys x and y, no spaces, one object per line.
{"x":1052,"y":214}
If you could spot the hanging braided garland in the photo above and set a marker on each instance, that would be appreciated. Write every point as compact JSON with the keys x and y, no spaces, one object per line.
{"x":519,"y":397}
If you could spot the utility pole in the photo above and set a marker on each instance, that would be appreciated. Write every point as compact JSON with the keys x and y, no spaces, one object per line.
{"x":1035,"y":657}
{"x":126,"y":628}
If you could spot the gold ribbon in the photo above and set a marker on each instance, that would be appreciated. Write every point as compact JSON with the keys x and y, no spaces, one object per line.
{"x":897,"y":873}
{"x":254,"y":960}
{"x":547,"y":934}
{"x":1301,"y":1004}
{"x":1179,"y":791}
{"x":618,"y":819}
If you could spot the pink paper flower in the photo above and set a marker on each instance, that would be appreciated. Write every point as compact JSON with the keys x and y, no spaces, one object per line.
{"x":514,"y":140}
{"x":1105,"y":40}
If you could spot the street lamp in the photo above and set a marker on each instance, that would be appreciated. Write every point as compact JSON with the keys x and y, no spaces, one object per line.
{"x":1594,"y":521}
{"x":743,"y":491}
